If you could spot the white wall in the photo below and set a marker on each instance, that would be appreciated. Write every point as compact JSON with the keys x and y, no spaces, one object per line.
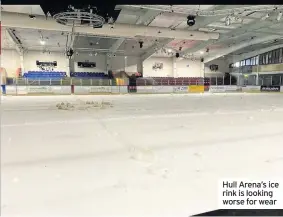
{"x":183,"y":68}
{"x":30,"y":58}
{"x":120,"y":63}
{"x":167,"y":70}
{"x":100,"y":61}
{"x":189,"y":68}
{"x":223,"y":66}
{"x":10,"y":61}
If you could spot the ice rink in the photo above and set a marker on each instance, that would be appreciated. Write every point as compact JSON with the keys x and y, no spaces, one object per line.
{"x":145,"y":155}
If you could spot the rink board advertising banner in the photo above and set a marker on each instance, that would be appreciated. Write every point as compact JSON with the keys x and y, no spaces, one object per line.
{"x":250,"y":89}
{"x":196,"y":89}
{"x":16,"y":90}
{"x":144,"y":89}
{"x":162,"y":89}
{"x":217,"y":89}
{"x":119,"y":89}
{"x":100,"y":89}
{"x":180,"y":89}
{"x":91,"y":89}
{"x":270,"y":88}
{"x":224,"y":89}
{"x":61,"y":90}
{"x":39,"y":89}
{"x":20,"y":90}
{"x":25,"y":90}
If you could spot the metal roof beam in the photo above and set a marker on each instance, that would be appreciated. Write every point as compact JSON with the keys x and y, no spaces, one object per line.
{"x":202,"y":23}
{"x":18,"y":45}
{"x":116,"y":45}
{"x":148,"y":17}
{"x":246,"y":29}
{"x":13,"y":20}
{"x":196,"y":48}
{"x":145,"y":19}
{"x":231,"y":49}
{"x":149,"y":52}
{"x":128,"y":11}
{"x":237,"y":58}
{"x":73,"y":42}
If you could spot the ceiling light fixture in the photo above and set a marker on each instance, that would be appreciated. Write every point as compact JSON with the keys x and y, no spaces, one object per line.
{"x":32,"y":17}
{"x":227,"y":21}
{"x":42,"y":42}
{"x":191,"y":20}
{"x":201,"y":52}
{"x":69,"y":53}
{"x":265,"y":17}
{"x":110,"y":20}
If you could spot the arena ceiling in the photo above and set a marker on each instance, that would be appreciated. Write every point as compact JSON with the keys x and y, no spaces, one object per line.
{"x":162,"y":29}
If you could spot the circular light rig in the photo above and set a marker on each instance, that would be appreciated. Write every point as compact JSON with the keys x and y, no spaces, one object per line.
{"x":80,"y":17}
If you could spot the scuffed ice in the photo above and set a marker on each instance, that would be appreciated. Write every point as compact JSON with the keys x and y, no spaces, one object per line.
{"x":152,"y":155}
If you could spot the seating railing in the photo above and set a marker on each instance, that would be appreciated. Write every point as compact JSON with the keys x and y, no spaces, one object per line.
{"x":240,"y":80}
{"x":61,"y":81}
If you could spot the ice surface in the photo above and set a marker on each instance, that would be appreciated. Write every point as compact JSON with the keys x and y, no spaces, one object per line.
{"x":148,"y":155}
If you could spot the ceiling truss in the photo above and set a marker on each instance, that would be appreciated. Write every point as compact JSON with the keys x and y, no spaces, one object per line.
{"x":18,"y":45}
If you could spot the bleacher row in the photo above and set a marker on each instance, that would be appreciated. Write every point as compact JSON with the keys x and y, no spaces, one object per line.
{"x":88,"y":74}
{"x":44,"y":75}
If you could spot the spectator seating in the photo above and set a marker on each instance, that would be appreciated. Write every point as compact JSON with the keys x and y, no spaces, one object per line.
{"x":89,"y":74}
{"x":206,"y":81}
{"x":44,"y":75}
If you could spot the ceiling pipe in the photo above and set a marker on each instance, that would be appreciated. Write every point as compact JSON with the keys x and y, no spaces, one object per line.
{"x":15,"y":20}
